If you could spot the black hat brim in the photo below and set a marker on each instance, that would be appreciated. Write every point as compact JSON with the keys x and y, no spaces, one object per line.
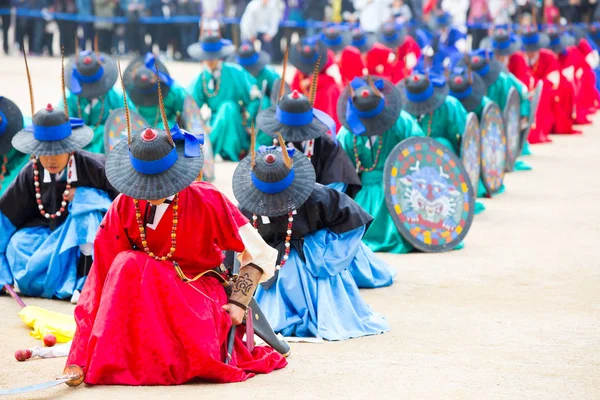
{"x":138,"y":97}
{"x":381,"y":123}
{"x":274,"y":205}
{"x":267,"y":122}
{"x":514,"y":46}
{"x":417,"y":109}
{"x":543,"y":43}
{"x":25,"y":142}
{"x":14,"y":119}
{"x":472,"y":102}
{"x":99,"y":88}
{"x":125,"y":179}
{"x":304,"y":67}
{"x":197,"y":53}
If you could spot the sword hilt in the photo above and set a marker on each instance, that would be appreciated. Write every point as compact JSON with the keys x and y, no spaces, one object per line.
{"x":74,"y":374}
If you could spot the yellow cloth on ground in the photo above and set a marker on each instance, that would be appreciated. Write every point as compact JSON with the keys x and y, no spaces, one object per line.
{"x":45,"y":322}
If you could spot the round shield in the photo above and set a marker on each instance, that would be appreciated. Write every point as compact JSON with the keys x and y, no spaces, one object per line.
{"x":115,"y":127}
{"x":493,"y":148}
{"x":192,"y":122}
{"x":470,"y":150}
{"x":512,"y":122}
{"x":428,"y":194}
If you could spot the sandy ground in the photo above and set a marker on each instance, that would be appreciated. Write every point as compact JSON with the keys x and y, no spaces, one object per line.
{"x":515,"y":315}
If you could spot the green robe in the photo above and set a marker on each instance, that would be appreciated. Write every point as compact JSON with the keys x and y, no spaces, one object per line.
{"x":99,"y":114}
{"x":382,"y":234}
{"x":447,"y":123}
{"x":268,"y":75}
{"x":173,"y":105}
{"x":479,"y":110}
{"x":16,"y":162}
{"x":498,"y":92}
{"x":228,"y":135}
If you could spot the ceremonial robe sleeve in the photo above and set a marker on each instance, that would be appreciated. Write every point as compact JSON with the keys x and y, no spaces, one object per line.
{"x":335,"y":211}
{"x":176,"y":98}
{"x":197,"y":92}
{"x":407,"y":127}
{"x":457,"y":119}
{"x":249,"y":93}
{"x":7,"y":229}
{"x":111,"y":240}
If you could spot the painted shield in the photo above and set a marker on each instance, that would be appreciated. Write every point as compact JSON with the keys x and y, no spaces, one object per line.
{"x":115,"y":127}
{"x":429,"y":194}
{"x":470,"y":150}
{"x":193,"y":123}
{"x":493,"y":148}
{"x":512,"y":122}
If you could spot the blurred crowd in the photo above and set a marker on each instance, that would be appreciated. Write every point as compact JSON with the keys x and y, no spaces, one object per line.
{"x":272,"y":22}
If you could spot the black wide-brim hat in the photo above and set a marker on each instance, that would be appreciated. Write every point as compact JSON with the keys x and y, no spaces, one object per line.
{"x":394,"y":40}
{"x":276,"y":204}
{"x":126,"y":179}
{"x":335,"y":38}
{"x":560,"y":42}
{"x":140,"y":96}
{"x":202,"y":52}
{"x":369,"y":40}
{"x":501,"y":48}
{"x":254,"y":67}
{"x":383,"y":121}
{"x":98,"y":88}
{"x":542,"y":43}
{"x":478,"y":89}
{"x":295,"y":108}
{"x":11,"y":123}
{"x":80,"y":135}
{"x":416,"y":109}
{"x":303,"y":64}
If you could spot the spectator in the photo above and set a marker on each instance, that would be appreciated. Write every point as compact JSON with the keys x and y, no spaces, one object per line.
{"x":189,"y":32}
{"x":164,"y":32}
{"x":85,"y":9}
{"x":104,"y":30}
{"x":479,"y":14}
{"x":458,"y":10}
{"x":502,"y":11}
{"x":68,"y":28}
{"x":373,"y":13}
{"x":293,"y":12}
{"x":5,"y":7}
{"x":261,"y":21}
{"x":136,"y":32}
{"x":401,"y":11}
{"x":314,"y":11}
{"x":551,"y":13}
{"x":568,"y":9}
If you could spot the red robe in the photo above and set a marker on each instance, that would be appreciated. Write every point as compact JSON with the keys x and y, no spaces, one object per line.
{"x":399,"y":70}
{"x":517,"y":65}
{"x":138,"y":323}
{"x":351,"y":64}
{"x":328,"y":91}
{"x":377,"y":60}
{"x":583,"y":80}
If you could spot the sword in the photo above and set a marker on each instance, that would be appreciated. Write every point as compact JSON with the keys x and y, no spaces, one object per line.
{"x":73,"y":377}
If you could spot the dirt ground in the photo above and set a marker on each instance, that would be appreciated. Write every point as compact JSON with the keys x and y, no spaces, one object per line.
{"x":514,"y":315}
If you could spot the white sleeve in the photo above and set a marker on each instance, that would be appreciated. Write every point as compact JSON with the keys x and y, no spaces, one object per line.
{"x":257,"y":251}
{"x":554,"y":78}
{"x":592,"y":59}
{"x":246,"y":26}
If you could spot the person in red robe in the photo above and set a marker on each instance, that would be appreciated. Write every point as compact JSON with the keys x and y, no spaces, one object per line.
{"x":154,"y":310}
{"x":577,"y":72}
{"x":304,"y":57}
{"x":376,"y":56}
{"x":557,"y":98}
{"x":348,"y":58}
{"x":406,"y":52}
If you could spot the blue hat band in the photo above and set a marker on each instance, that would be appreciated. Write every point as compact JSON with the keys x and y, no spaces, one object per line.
{"x":293,"y":119}
{"x":359,"y":42}
{"x":273,"y":187}
{"x":310,"y":60}
{"x":332,"y":41}
{"x":505,"y":44}
{"x":156,"y":166}
{"x":420,"y":97}
{"x":555,"y":41}
{"x":247,"y":61}
{"x":533,"y":39}
{"x":3,"y":124}
{"x":55,"y":133}
{"x":462,"y":95}
{"x":89,"y":78}
{"x":484,"y":71}
{"x":391,"y":38}
{"x":212,"y":47}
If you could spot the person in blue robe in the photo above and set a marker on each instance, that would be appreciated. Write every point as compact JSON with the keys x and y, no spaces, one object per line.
{"x":50,"y":213}
{"x":318,"y":232}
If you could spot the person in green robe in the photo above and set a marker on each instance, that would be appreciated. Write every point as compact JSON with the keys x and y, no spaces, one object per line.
{"x":373,"y":123}
{"x":257,"y":65}
{"x":498,"y":82}
{"x":231,"y":94}
{"x":440,"y":116}
{"x":90,"y":77}
{"x":141,"y":84}
{"x":11,"y":160}
{"x":468,"y":88}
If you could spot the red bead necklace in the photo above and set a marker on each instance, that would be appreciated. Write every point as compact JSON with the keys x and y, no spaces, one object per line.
{"x":288,"y":237}
{"x":38,"y":191}
{"x":3,"y":170}
{"x":359,"y":167}
{"x":142,"y":228}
